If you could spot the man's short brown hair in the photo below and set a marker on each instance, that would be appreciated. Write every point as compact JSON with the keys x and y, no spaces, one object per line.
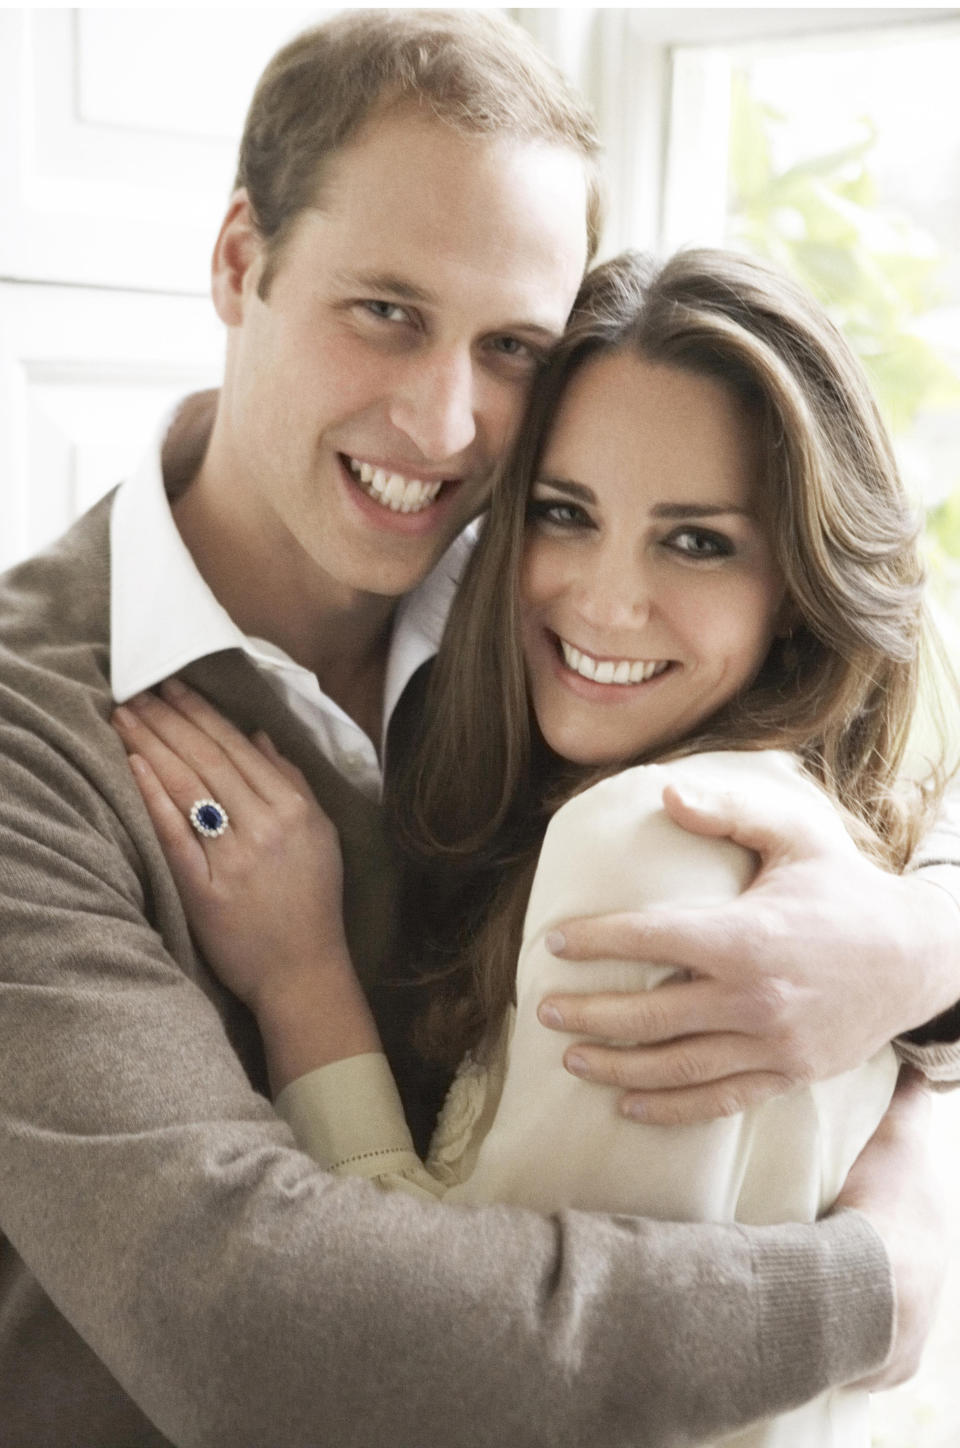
{"x":473,"y":71}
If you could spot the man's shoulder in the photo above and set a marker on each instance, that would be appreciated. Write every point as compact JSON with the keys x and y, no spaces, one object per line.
{"x":55,"y":606}
{"x":55,"y":654}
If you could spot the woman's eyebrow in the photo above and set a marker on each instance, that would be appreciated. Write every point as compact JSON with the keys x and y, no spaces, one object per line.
{"x":579,"y":491}
{"x":693,"y":509}
{"x":699,"y":510}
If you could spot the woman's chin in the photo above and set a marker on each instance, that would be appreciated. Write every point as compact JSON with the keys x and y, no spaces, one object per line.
{"x":591,"y":750}
{"x":577,"y":750}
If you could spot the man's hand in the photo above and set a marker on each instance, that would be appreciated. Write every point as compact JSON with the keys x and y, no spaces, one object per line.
{"x":819,"y":963}
{"x":892,"y":1184}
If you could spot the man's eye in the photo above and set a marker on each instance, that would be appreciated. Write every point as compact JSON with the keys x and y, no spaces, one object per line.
{"x":387,"y":311}
{"x":516,"y":352}
{"x":700,"y":543}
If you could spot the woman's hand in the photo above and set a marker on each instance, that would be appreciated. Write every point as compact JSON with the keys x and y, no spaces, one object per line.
{"x":264,"y":898}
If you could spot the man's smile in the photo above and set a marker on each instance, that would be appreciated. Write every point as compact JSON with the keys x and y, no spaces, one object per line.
{"x":393,"y":490}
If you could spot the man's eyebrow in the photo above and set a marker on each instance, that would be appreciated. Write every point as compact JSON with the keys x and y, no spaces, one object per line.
{"x":390,"y":284}
{"x":375,"y":284}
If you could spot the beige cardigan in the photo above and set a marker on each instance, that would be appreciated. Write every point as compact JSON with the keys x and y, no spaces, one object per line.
{"x":172,"y":1269}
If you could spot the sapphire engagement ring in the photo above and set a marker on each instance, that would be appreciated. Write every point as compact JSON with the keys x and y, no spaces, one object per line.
{"x":208,"y":818}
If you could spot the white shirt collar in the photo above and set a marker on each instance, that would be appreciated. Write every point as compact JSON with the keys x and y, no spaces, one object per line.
{"x":164,"y":615}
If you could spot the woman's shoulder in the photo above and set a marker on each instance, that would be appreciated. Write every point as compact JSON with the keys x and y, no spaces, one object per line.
{"x":640,"y":788}
{"x":738,"y":768}
{"x":614,"y":846}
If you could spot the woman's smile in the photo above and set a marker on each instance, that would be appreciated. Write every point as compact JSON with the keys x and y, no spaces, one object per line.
{"x":609,"y":671}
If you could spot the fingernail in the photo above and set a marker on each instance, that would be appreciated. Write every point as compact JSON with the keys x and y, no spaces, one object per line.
{"x":577,"y":1065}
{"x":550,"y":1016}
{"x":137,"y":764}
{"x":691,"y":798}
{"x":174,"y":687}
{"x":123,"y":718}
{"x":635,"y":1110}
{"x":556,"y":942}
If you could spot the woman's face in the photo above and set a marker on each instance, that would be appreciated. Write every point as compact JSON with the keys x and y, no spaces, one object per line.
{"x":649,"y":590}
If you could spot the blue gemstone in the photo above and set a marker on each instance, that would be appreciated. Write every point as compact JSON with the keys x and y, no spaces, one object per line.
{"x":209,"y":816}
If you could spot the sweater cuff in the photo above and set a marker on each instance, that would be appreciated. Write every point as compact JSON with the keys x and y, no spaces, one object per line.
{"x":348,"y":1116}
{"x":938,"y":1061}
{"x":848,"y":1325}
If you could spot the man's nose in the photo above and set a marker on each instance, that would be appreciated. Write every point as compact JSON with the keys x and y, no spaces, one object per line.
{"x":435,"y":405}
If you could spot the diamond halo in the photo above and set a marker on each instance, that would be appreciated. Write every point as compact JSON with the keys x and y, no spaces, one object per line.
{"x":208,"y":818}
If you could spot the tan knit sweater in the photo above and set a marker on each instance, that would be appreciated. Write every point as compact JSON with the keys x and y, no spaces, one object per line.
{"x":173,"y":1270}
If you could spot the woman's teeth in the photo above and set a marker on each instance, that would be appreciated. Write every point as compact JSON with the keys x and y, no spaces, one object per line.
{"x":611,"y":671}
{"x":400,"y":495}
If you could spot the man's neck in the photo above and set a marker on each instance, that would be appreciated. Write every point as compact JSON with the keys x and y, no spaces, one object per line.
{"x":341,"y":635}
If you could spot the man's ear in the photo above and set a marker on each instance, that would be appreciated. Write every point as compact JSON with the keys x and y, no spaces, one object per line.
{"x":237,"y":261}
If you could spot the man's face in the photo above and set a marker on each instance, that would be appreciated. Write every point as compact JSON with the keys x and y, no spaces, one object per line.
{"x":367,"y":397}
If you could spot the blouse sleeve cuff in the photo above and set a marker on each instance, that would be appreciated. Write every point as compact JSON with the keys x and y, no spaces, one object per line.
{"x":348,"y":1116}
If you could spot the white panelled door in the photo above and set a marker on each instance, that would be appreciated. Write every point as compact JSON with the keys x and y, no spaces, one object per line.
{"x":118,"y":134}
{"x":85,"y":375}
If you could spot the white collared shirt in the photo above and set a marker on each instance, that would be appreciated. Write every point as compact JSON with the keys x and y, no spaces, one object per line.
{"x":164,"y":616}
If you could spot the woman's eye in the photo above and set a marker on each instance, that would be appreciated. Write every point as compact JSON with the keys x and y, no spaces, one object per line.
{"x":557,"y":513}
{"x":700,"y":543}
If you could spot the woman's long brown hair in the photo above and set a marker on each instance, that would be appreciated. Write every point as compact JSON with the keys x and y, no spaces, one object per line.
{"x":840,"y":693}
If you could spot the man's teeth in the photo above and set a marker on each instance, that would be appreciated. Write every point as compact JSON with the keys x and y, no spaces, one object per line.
{"x":400,"y":495}
{"x":611,"y":671}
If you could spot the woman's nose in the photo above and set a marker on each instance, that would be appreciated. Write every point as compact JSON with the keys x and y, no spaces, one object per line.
{"x":615,"y":591}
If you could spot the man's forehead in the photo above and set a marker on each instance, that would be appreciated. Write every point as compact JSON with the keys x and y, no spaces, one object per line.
{"x":491,"y":229}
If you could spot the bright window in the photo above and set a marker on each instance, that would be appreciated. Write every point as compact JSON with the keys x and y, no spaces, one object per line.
{"x":838,"y":156}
